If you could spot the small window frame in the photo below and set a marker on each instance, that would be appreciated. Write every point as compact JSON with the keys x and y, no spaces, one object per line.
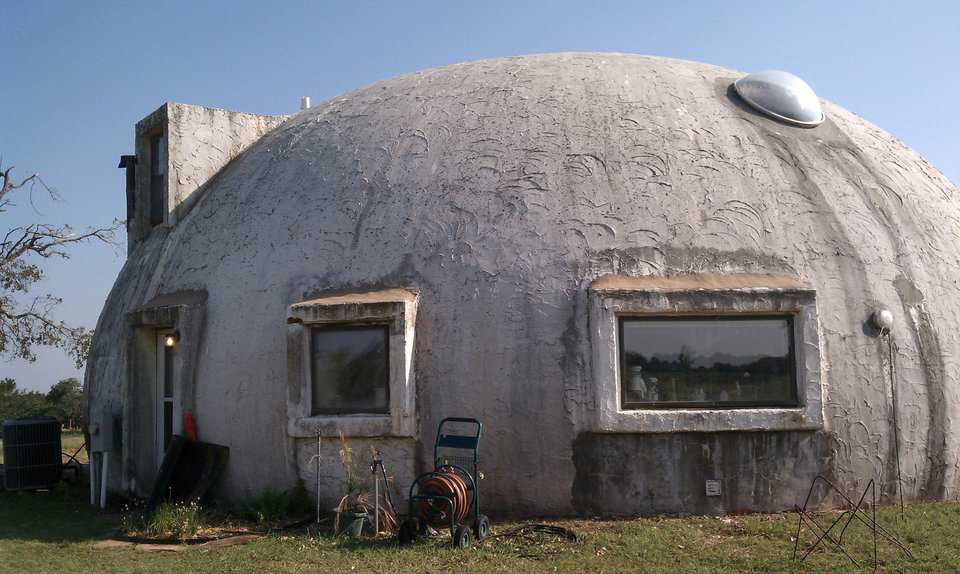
{"x":394,"y":308}
{"x":793,"y":402}
{"x":384,"y":328}
{"x":157,"y":177}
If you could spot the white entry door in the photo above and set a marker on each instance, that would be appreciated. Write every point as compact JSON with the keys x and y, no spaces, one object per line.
{"x":167,"y":423}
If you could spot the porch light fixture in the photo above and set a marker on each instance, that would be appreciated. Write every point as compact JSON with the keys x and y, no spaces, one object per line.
{"x":882,"y":319}
{"x":171,"y":339}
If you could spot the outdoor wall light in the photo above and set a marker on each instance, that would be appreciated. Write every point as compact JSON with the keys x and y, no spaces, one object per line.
{"x":171,"y":339}
{"x":882,"y":319}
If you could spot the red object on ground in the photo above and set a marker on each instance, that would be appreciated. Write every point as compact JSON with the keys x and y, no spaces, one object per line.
{"x":189,"y":427}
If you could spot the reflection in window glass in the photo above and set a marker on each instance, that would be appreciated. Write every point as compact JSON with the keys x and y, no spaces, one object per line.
{"x":167,"y":424}
{"x":167,"y":396}
{"x":168,"y":372}
{"x":707,"y":361}
{"x":349,"y":371}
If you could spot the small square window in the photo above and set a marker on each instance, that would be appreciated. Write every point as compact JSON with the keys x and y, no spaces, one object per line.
{"x":707,"y":362}
{"x":349,"y":368}
{"x":351,"y":365}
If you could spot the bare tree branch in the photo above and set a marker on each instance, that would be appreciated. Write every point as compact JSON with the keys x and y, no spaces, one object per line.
{"x":23,"y":327}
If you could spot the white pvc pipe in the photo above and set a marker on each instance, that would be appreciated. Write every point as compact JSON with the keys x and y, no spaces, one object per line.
{"x":318,"y":477}
{"x":92,"y":471}
{"x":103,"y":480}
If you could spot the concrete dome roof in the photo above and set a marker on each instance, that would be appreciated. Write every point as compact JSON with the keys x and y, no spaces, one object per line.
{"x":500,"y":189}
{"x":579,"y":151}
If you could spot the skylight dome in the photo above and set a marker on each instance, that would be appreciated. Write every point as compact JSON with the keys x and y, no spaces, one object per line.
{"x":781,"y":95}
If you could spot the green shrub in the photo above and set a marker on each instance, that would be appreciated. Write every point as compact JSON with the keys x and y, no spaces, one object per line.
{"x":301,"y":503}
{"x":176,"y":520}
{"x":268,"y":506}
{"x":133,"y":517}
{"x":275,"y":505}
{"x":179,"y":520}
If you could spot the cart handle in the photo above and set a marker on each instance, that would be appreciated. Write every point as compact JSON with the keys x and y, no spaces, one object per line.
{"x":461,"y":420}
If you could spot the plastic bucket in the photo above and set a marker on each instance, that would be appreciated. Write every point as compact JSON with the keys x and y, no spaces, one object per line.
{"x":351,"y":524}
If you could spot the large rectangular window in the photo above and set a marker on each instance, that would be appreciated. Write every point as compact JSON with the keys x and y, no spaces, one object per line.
{"x":349,"y":369}
{"x":707,"y":361}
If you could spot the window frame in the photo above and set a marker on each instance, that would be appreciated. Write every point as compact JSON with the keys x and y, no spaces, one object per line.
{"x":611,"y":296}
{"x":166,"y":393}
{"x":394,"y":308}
{"x":794,"y":402}
{"x":157,"y":189}
{"x":384,"y":328}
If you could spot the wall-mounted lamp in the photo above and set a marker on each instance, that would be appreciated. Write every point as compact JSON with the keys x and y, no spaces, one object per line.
{"x":882,"y":319}
{"x":171,"y":339}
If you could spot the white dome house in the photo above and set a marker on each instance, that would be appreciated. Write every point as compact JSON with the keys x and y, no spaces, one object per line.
{"x":652,"y":280}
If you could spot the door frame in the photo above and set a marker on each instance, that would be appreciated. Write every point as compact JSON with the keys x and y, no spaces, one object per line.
{"x":165,"y":371}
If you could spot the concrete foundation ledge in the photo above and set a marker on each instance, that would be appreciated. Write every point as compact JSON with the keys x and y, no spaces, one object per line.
{"x":651,"y":474}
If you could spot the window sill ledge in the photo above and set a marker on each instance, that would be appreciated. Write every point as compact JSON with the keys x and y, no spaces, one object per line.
{"x":350,"y":425}
{"x":707,"y":420}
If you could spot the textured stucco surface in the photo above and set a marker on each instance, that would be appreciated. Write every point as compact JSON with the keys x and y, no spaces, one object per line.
{"x":200,"y":142}
{"x":498,"y":190}
{"x":397,"y":457}
{"x":757,"y":471}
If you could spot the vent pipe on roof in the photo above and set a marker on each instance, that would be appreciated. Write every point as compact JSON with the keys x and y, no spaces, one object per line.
{"x":304,"y":102}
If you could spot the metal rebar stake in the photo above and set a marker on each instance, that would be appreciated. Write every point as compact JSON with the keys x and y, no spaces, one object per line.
{"x":896,"y":426}
{"x":855,"y":511}
{"x":376,"y":465}
{"x":317,"y":457}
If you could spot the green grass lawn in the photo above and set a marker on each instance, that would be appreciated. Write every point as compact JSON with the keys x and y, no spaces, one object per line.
{"x":54,"y":532}
{"x":71,"y":441}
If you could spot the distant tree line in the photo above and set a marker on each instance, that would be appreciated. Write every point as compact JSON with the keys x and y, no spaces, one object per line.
{"x":64,"y":400}
{"x":684,"y":363}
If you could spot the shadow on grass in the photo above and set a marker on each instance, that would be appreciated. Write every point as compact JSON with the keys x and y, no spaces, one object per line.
{"x":59,"y":515}
{"x":391,"y":543}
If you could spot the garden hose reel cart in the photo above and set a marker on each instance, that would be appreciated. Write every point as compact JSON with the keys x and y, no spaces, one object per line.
{"x":449,"y":495}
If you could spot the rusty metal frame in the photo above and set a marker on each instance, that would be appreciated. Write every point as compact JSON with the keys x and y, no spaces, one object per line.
{"x":856,"y":510}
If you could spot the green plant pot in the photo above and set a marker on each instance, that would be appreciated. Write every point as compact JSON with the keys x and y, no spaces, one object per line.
{"x":351,"y":524}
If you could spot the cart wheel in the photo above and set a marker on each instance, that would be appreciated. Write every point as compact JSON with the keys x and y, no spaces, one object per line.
{"x":481,"y":527}
{"x":408,"y":531}
{"x":462,"y":537}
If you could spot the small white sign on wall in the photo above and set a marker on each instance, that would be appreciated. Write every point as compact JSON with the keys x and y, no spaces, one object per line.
{"x":713,"y":488}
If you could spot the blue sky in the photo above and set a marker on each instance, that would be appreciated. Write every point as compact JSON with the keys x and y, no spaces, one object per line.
{"x":78,"y":75}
